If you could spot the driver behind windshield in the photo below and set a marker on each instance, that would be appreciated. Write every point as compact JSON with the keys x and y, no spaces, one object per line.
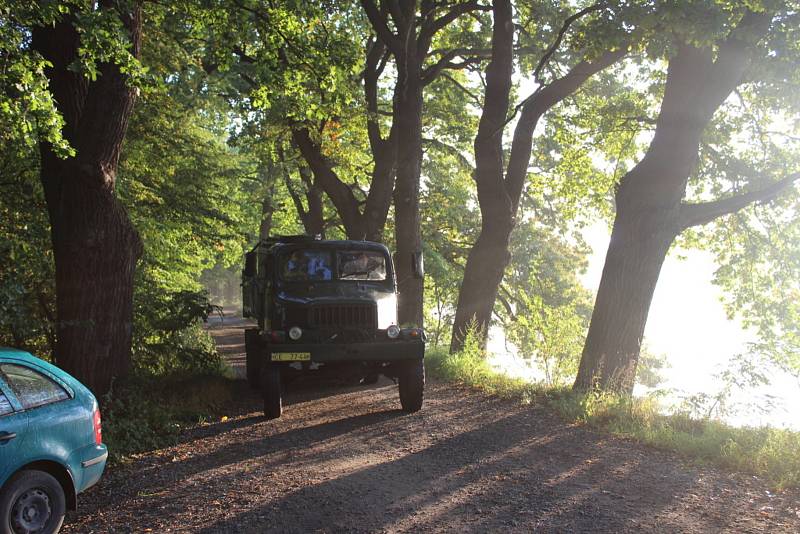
{"x":308,"y":265}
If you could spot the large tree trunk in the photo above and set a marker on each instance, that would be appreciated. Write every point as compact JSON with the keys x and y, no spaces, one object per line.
{"x":95,"y":246}
{"x":638,"y":247}
{"x":408,"y":238}
{"x":486,"y":265}
{"x":489,"y":256}
{"x":650,"y":208}
{"x":95,"y":249}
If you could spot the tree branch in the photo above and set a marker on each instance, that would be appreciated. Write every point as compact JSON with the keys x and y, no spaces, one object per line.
{"x":431,"y":26}
{"x":475,"y":99}
{"x":378,"y":20}
{"x":705,"y":212}
{"x":432,"y":72}
{"x":554,"y":46}
{"x":536,"y":105}
{"x":444,"y":147}
{"x":340,"y":193}
{"x":377,"y":51}
{"x":546,"y":57}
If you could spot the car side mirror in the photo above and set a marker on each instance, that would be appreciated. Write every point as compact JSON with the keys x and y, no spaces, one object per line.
{"x":417,"y":265}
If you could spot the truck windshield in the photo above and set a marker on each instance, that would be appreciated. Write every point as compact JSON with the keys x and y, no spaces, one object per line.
{"x":361,"y":265}
{"x":307,"y":265}
{"x":314,"y":265}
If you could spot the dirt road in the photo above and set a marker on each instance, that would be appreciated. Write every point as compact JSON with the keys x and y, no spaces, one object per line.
{"x":347,"y":460}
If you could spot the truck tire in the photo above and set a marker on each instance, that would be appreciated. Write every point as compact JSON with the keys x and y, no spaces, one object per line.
{"x":271,"y":391}
{"x":411,"y":379}
{"x":253,"y":355}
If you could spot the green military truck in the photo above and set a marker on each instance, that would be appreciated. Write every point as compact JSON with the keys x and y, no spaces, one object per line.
{"x":327,"y":304}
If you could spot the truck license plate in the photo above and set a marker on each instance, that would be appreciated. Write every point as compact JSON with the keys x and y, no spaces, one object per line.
{"x":291,"y":356}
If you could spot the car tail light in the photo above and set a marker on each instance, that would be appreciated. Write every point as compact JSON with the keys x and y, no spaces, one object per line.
{"x":98,"y":427}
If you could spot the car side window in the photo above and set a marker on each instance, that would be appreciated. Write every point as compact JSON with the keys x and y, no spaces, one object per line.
{"x":31,"y":387}
{"x":5,"y":406}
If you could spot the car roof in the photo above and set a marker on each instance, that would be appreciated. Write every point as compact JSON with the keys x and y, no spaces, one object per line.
{"x":17,"y":354}
{"x":23,"y":356}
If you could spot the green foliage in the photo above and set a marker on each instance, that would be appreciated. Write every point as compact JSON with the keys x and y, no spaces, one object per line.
{"x":26,"y":268}
{"x":168,"y":337}
{"x":27,"y":110}
{"x":449,"y":226}
{"x":470,"y":367}
{"x":546,"y":309}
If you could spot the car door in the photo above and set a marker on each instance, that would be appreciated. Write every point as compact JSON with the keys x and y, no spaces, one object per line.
{"x":13,"y":431}
{"x":52,"y":418}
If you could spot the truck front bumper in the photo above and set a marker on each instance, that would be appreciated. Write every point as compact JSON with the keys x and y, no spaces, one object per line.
{"x":376,"y":351}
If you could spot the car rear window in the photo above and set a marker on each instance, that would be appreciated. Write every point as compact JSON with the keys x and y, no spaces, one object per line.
{"x":5,"y":406}
{"x":31,"y":387}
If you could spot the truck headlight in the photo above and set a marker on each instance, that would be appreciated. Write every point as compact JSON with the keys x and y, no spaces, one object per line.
{"x":295,"y":332}
{"x":393,"y":331}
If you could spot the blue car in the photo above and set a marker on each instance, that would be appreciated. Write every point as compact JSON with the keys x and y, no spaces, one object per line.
{"x":51,"y":445}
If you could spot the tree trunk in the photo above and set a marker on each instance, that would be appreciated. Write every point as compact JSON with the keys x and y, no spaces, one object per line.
{"x":379,"y":199}
{"x":498,"y":193}
{"x":638,"y":247}
{"x":313,"y":218}
{"x":483,"y":274}
{"x":95,"y":249}
{"x":408,"y":238}
{"x":650,"y":205}
{"x":267,"y":211}
{"x":94,"y":243}
{"x":489,"y":256}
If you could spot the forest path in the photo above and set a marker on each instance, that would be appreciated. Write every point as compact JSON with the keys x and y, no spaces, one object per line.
{"x":348,"y":460}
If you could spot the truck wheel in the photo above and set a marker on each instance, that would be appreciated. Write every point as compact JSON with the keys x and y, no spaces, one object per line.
{"x":253,"y":353}
{"x":271,"y":391}
{"x":411,"y":379}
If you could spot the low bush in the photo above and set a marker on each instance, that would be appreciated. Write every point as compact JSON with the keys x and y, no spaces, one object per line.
{"x":149,"y":412}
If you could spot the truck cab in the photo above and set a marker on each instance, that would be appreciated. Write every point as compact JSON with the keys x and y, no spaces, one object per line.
{"x":326,"y":304}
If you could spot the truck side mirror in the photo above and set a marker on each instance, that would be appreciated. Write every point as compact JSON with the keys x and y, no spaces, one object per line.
{"x":417,"y":265}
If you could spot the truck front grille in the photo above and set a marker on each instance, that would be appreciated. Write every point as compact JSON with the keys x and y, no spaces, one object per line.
{"x":345,"y":315}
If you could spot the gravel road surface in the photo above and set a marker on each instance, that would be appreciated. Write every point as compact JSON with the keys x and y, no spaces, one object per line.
{"x":348,"y":460}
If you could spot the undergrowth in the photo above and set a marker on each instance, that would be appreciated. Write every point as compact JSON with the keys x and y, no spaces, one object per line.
{"x":148,"y":412}
{"x":770,"y":453}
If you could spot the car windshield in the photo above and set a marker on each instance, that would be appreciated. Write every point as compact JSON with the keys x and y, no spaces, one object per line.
{"x":302,"y":265}
{"x":361,"y":265}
